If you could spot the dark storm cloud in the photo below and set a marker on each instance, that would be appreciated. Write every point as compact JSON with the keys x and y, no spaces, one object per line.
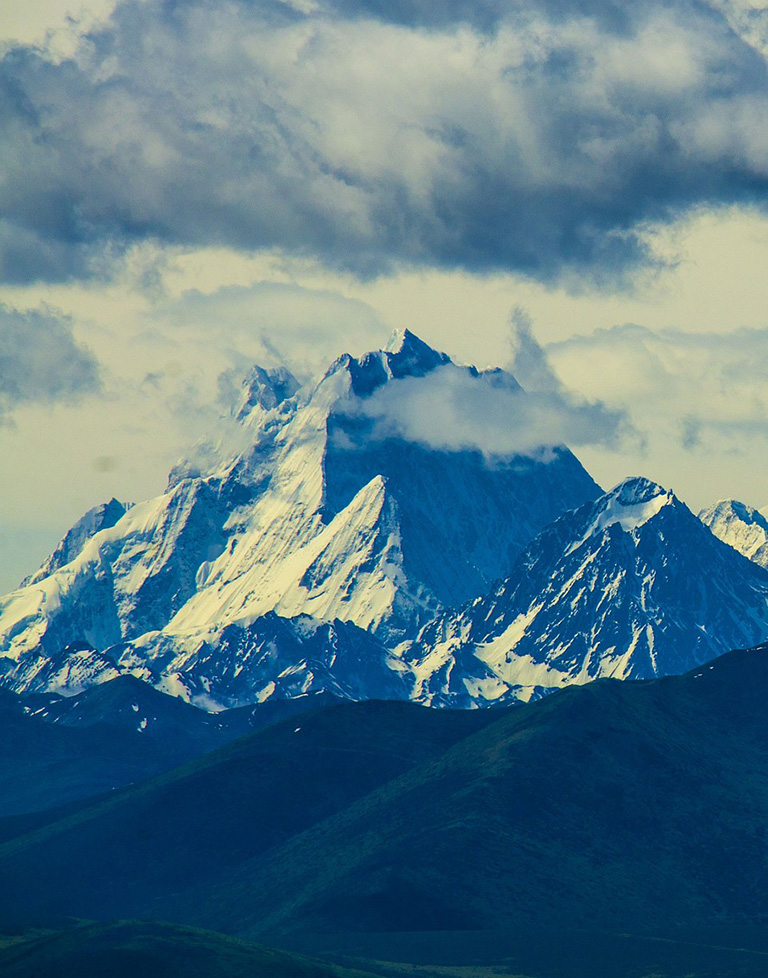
{"x":537,"y":137}
{"x":484,"y":15}
{"x":40,"y":360}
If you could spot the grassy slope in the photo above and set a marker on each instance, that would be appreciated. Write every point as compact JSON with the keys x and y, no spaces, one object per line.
{"x":616,"y":805}
{"x":156,"y":950}
{"x":127,"y":949}
{"x":729,"y":951}
{"x":613,"y":808}
{"x":92,"y":743}
{"x":154,"y":841}
{"x":44,"y":765}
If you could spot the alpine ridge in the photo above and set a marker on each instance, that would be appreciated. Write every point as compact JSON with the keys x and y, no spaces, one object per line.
{"x":630,"y":586}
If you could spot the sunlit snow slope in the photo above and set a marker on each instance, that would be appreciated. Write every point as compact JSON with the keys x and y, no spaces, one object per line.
{"x":743,"y":527}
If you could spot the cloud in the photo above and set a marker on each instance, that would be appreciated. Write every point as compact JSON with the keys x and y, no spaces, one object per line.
{"x":529,"y":361}
{"x":456,"y":408}
{"x":272,"y":323}
{"x":483,"y":15}
{"x":706,"y":392}
{"x":536,"y":137}
{"x":41,"y":361}
{"x":173,"y":370}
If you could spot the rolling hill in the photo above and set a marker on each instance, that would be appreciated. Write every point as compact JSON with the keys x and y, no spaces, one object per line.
{"x":633,"y":804}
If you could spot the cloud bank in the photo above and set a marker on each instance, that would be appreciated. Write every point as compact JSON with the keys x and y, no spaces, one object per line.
{"x":535,"y":137}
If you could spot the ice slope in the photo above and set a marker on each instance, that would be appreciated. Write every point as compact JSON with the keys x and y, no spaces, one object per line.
{"x":742,"y":527}
{"x":631,"y":586}
{"x":127,"y":579}
{"x":99,"y":518}
{"x":317,"y":518}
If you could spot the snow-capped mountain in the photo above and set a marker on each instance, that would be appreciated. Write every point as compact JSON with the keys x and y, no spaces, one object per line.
{"x":743,"y":527}
{"x":295,"y":563}
{"x":632,"y":585}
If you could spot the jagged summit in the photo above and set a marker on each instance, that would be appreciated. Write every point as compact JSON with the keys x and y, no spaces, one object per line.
{"x":405,"y":355}
{"x":740,"y":526}
{"x":266,"y":389}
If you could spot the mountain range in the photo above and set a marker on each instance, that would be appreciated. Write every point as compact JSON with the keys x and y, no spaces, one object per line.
{"x":629,"y":586}
{"x":217,"y":723}
{"x":336,"y":552}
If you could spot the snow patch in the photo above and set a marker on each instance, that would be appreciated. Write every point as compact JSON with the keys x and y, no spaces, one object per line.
{"x":628,"y":517}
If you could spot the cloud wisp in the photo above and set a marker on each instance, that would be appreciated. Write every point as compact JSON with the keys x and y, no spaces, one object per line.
{"x":41,"y":362}
{"x":705,"y":392}
{"x":534,"y":137}
{"x":273,"y":323}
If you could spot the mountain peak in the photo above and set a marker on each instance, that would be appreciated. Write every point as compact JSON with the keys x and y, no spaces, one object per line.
{"x":733,"y":508}
{"x":409,"y":356}
{"x":740,"y":526}
{"x":631,"y":504}
{"x":399,"y":339}
{"x":265,"y":388}
{"x":98,"y":518}
{"x":403,"y":340}
{"x":637,"y":490}
{"x":405,"y":355}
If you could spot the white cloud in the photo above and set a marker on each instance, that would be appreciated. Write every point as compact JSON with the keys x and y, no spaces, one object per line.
{"x":456,"y":408}
{"x":701,"y":398}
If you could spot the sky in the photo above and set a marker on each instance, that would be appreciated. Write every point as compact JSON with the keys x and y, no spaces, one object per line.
{"x":576,"y":190}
